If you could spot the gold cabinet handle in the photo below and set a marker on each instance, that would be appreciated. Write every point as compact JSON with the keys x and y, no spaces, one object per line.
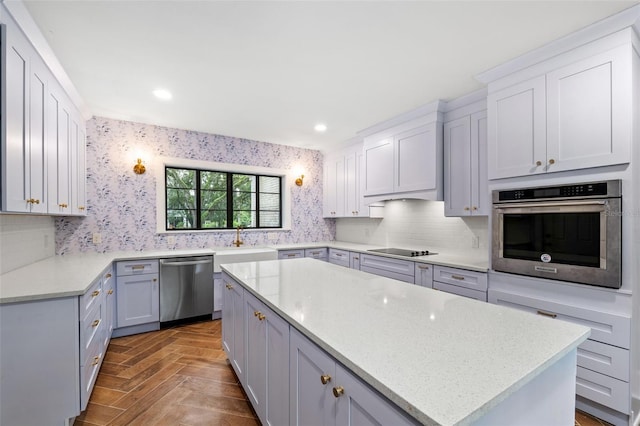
{"x":291,"y":255}
{"x":63,"y":205}
{"x":36,"y":201}
{"x":261,"y":317}
{"x":338,"y":391}
{"x":108,"y":276}
{"x":96,"y":360}
{"x":552,"y":161}
{"x":228,"y":286}
{"x":33,"y":201}
{"x":95,"y":293}
{"x":423,"y":267}
{"x":466,"y":209}
{"x":457,"y":277}
{"x":95,"y":323}
{"x":256,"y":313}
{"x":110,"y":291}
{"x":136,"y":267}
{"x":325,"y":378}
{"x":538,"y":163}
{"x":81,"y":208}
{"x":547,"y":314}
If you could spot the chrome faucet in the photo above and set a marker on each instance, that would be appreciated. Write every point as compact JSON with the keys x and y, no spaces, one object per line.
{"x":238,"y":241}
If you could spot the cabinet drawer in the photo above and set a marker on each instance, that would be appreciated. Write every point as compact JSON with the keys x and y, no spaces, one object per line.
{"x":461,"y":291}
{"x":316,"y":253}
{"x":89,"y":374}
{"x":91,"y":298}
{"x":91,"y":331}
{"x":605,"y":390}
{"x":339,"y":257}
{"x":136,"y":267}
{"x":605,"y":327}
{"x":290,"y":254}
{"x":404,"y":267}
{"x":107,"y":279}
{"x":605,"y":359}
{"x":460,"y":278}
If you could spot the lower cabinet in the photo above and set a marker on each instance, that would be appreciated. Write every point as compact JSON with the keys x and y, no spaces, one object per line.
{"x":424,"y":275}
{"x":317,"y":253}
{"x":465,"y":283}
{"x":291,"y":254}
{"x":138,"y":293}
{"x":398,"y":269}
{"x":267,"y":357}
{"x":325,"y":392}
{"x":339,"y":257}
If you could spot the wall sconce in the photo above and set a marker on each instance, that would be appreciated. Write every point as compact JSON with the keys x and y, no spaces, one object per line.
{"x":299,"y":180}
{"x":139,"y":168}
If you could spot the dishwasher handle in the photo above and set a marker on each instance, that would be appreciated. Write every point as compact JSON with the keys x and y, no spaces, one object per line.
{"x":164,"y":262}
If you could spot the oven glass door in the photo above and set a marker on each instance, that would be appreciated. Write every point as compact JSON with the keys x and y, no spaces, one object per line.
{"x":560,"y":233}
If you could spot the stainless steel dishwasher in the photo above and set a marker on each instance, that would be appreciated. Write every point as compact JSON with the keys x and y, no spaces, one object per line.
{"x":186,"y":288}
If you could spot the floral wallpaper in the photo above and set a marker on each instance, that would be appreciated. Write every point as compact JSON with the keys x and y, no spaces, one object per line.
{"x":121,"y":206}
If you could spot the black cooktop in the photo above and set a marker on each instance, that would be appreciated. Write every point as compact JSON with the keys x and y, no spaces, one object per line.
{"x":403,"y":252}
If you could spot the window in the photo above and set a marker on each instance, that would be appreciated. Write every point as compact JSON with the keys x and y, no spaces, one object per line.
{"x":207,"y":199}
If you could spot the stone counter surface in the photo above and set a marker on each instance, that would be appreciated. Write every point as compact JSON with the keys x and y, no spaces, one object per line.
{"x":71,"y":275}
{"x":442,"y":358}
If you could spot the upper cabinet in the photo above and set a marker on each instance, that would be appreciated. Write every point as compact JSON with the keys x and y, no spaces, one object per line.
{"x":43,"y":133}
{"x":403,"y":158}
{"x":575,"y":115}
{"x":465,"y":160}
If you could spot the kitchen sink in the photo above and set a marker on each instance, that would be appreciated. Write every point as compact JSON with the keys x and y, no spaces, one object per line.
{"x":242,"y":254}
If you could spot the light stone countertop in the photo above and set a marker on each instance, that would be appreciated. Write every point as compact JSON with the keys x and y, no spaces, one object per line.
{"x":72,"y":275}
{"x":442,"y":358}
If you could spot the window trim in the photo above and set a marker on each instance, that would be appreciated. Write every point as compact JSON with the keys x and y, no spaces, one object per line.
{"x":162,"y":162}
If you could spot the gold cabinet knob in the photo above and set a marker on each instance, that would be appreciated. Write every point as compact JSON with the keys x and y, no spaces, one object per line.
{"x":108,"y":276}
{"x":256,"y":313}
{"x":466,"y":209}
{"x":95,"y":293}
{"x":261,"y":316}
{"x":552,"y":161}
{"x":325,"y":378}
{"x":95,"y":323}
{"x":154,"y":280}
{"x":229,"y":286}
{"x":96,"y":359}
{"x":36,"y":201}
{"x":538,"y":163}
{"x":81,"y":208}
{"x":474,"y":208}
{"x":110,"y":291}
{"x":338,"y":391}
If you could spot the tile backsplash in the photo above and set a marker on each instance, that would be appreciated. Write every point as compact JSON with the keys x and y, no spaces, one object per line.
{"x":416,"y":224}
{"x":121,"y":206}
{"x":25,"y":239}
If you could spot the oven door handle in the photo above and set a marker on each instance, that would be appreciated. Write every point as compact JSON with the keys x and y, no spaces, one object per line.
{"x":552,"y":204}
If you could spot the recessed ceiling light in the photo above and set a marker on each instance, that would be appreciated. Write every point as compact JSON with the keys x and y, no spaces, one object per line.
{"x":162,"y":94}
{"x":320,"y":128}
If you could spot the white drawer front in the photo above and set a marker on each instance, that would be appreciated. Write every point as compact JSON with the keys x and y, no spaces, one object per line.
{"x":339,"y":257}
{"x":89,"y":374}
{"x":91,"y":298}
{"x":389,"y":274}
{"x":316,"y":253}
{"x":606,"y":359}
{"x":136,"y":267}
{"x":461,"y":291}
{"x":290,"y":254}
{"x":91,"y":330}
{"x":460,"y":277}
{"x":605,"y":327}
{"x":605,"y":390}
{"x":404,"y":267}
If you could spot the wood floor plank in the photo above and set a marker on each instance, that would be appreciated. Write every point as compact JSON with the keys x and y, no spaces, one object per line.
{"x":207,"y":372}
{"x":144,"y":388}
{"x":106,"y":396}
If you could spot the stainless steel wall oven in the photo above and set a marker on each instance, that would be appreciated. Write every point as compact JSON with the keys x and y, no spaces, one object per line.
{"x":569,"y":232}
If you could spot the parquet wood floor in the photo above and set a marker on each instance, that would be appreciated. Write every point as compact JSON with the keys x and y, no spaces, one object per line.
{"x":177,"y":376}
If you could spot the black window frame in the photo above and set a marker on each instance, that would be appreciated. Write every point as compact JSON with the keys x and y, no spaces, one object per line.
{"x":229,"y":200}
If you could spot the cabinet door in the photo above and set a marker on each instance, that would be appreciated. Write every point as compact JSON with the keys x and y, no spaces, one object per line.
{"x":233,"y":327}
{"x":354,"y":260}
{"x":59,"y":171}
{"x":78,"y":171}
{"x":334,"y":190}
{"x":358,"y":404}
{"x":589,"y":112}
{"x":311,"y":381}
{"x":378,"y":167}
{"x":277,"y":358}
{"x":36,"y":154}
{"x":479,"y":175}
{"x":352,"y":192}
{"x":362,"y":207}
{"x":138,"y":299}
{"x":457,"y":167}
{"x":424,"y":275}
{"x":255,"y":349}
{"x":416,"y":154}
{"x":217,"y":292}
{"x":517,"y":130}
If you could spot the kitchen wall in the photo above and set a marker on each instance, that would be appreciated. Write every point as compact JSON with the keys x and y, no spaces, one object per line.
{"x":25,"y":239}
{"x":417,"y":224}
{"x":121,"y":205}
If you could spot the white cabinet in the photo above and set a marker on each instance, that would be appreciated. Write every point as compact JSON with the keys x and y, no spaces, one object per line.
{"x":462,"y":282}
{"x":404,"y":162}
{"x":109,"y":288}
{"x":93,"y":328}
{"x":267,"y":358}
{"x":423,"y":275}
{"x":77,"y":166}
{"x":137,"y":293}
{"x":354,"y":260}
{"x":59,"y":152}
{"x":334,"y":187}
{"x":324,"y":392}
{"x":573,"y":117}
{"x":398,"y":269}
{"x":465,"y":166}
{"x":233,"y":326}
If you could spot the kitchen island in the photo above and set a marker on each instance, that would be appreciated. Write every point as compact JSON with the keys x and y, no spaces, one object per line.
{"x":433,"y":357}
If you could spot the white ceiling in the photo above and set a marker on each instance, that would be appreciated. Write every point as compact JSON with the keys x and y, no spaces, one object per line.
{"x":271,"y":70}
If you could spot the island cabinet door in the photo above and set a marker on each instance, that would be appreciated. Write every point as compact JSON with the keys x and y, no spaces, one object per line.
{"x":256,"y":371}
{"x":233,"y":331}
{"x":358,"y":404}
{"x":312,"y":379}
